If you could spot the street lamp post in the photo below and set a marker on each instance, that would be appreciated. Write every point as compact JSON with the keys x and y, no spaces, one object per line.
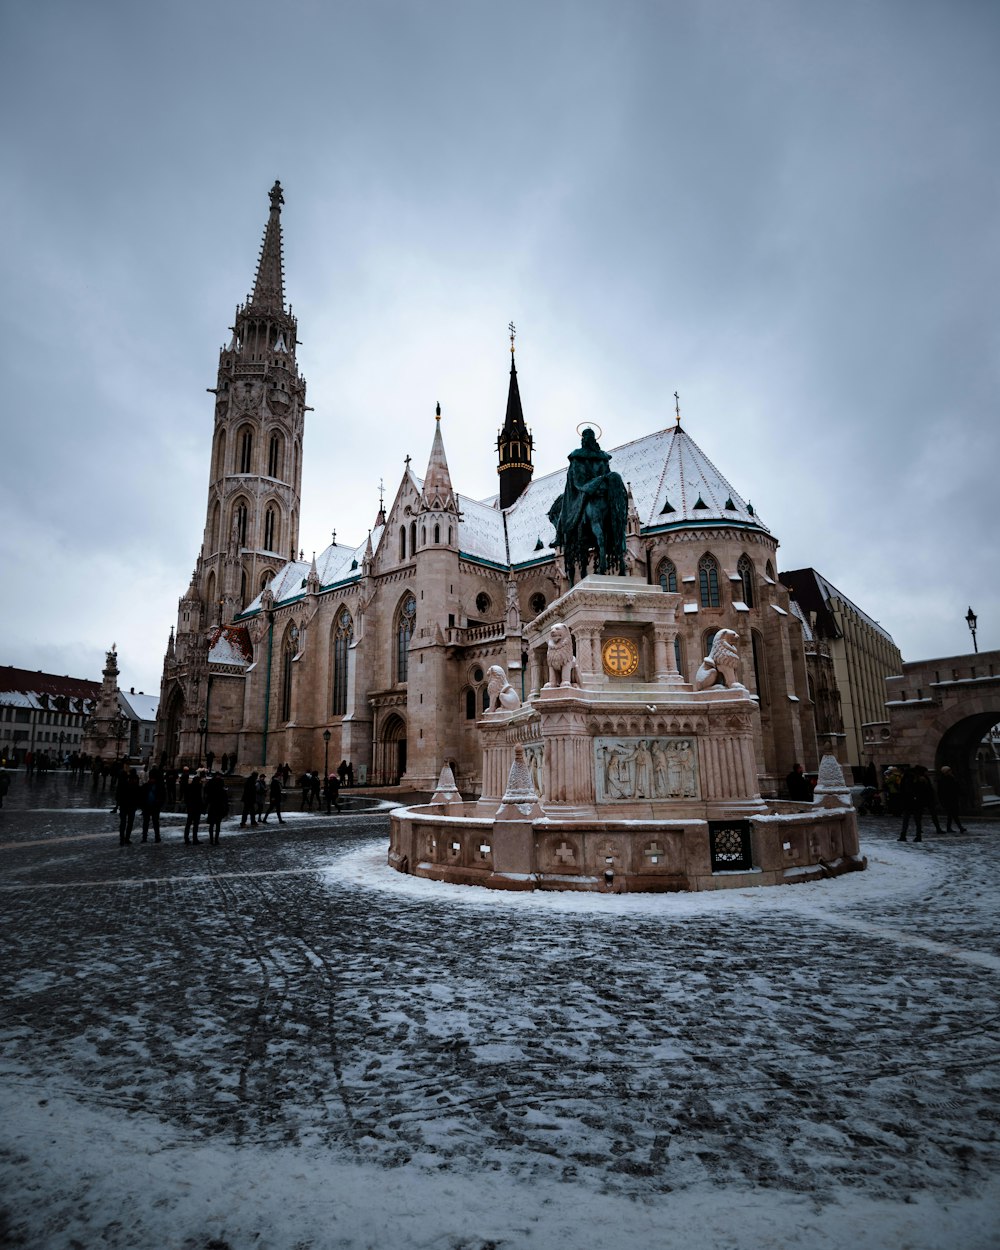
{"x":326,"y":767}
{"x":202,"y":730}
{"x":970,"y":620}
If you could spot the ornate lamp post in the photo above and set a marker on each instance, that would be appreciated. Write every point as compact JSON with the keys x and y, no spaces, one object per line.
{"x":326,"y":767}
{"x":119,"y":728}
{"x":202,"y":730}
{"x":970,"y":620}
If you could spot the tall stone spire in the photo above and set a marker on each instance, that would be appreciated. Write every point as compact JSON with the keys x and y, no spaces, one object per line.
{"x":269,"y":284}
{"x":514,"y":442}
{"x":438,"y":494}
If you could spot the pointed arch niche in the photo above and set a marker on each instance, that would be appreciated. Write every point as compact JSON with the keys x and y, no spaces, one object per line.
{"x":406,"y":615}
{"x":342,"y":637}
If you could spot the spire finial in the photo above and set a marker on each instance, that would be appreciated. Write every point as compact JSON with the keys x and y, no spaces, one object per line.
{"x":277,"y":195}
{"x":513,"y":331}
{"x":333,"y":536}
{"x":437,"y":411}
{"x":381,"y":495}
{"x":677,"y":407}
{"x":406,"y":461}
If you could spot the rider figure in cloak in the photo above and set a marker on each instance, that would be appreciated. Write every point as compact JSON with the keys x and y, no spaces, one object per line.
{"x":590,"y":481}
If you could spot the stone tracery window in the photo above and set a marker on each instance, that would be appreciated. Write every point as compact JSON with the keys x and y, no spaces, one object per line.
{"x":483,"y":603}
{"x":274,"y":449}
{"x":241,"y":514}
{"x":708,"y":579}
{"x":289,"y":652}
{"x":270,"y":530}
{"x":744,"y":568}
{"x":342,"y":639}
{"x":405,"y":619}
{"x":666,"y":575}
{"x":246,"y":450}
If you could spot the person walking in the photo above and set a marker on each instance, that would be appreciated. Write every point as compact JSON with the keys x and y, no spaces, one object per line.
{"x":192,"y":803}
{"x":217,"y":806}
{"x":128,"y":797}
{"x":274,"y":798}
{"x":917,"y":796}
{"x":249,"y":801}
{"x":261,"y":795}
{"x":153,"y":797}
{"x":950,"y":794}
{"x":305,"y":785}
{"x":332,"y":792}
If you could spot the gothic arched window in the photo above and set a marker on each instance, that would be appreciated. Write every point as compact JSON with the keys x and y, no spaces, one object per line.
{"x":342,"y":637}
{"x":666,"y":575}
{"x":246,"y":450}
{"x":270,"y":530}
{"x":769,"y":570}
{"x":405,"y":618}
{"x":413,"y":538}
{"x":437,"y":533}
{"x":402,"y":542}
{"x":708,"y":578}
{"x":274,"y":456}
{"x":470,"y":703}
{"x":243,"y":587}
{"x":288,"y":655}
{"x":216,"y":523}
{"x":759,"y":666}
{"x":241,"y":515}
{"x":220,"y":454}
{"x":744,"y":568}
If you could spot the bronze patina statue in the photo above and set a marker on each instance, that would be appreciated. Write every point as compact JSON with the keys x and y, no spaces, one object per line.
{"x":590,"y":514}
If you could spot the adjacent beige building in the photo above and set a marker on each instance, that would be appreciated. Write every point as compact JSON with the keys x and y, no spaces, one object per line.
{"x":862,"y":653}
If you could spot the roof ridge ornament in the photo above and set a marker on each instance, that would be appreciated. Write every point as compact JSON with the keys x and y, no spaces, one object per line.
{"x":677,"y":409}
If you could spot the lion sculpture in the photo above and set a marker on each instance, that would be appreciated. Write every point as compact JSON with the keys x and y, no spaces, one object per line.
{"x":723,"y":661}
{"x":503,"y":696}
{"x":563,"y":670}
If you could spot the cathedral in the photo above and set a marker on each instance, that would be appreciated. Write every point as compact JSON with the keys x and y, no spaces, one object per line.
{"x":378,"y":653}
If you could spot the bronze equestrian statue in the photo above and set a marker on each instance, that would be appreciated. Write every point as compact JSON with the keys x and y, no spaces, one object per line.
{"x":591,"y":513}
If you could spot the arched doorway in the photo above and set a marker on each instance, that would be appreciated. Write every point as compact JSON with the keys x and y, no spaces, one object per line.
{"x":171,"y":726}
{"x":390,"y":751}
{"x":967,"y":747}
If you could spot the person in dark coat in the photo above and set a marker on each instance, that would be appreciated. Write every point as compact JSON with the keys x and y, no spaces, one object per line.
{"x":192,"y":805}
{"x":129,"y":797}
{"x":332,"y":792}
{"x":153,"y":797}
{"x":216,"y":805}
{"x":249,"y":801}
{"x":274,"y":798}
{"x":342,"y":772}
{"x":950,"y":794}
{"x":798,"y":785}
{"x":315,"y":788}
{"x":305,"y":784}
{"x":917,"y":796}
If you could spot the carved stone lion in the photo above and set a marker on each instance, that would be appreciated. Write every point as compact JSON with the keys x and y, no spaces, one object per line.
{"x":502,"y":693}
{"x":563,"y":670}
{"x":722,"y":661}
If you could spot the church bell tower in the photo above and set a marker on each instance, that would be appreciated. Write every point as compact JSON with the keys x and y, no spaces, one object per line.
{"x":514,"y":442}
{"x":255,"y":477}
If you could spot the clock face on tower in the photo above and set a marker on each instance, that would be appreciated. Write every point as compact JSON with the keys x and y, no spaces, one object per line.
{"x":620,"y":657}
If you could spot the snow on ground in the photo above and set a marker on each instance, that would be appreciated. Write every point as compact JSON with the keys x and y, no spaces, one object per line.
{"x":281,"y":1043}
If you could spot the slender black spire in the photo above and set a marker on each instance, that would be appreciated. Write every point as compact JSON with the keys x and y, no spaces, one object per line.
{"x":514,"y":442}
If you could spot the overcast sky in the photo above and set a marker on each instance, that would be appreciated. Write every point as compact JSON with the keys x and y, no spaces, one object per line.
{"x":788,"y":211}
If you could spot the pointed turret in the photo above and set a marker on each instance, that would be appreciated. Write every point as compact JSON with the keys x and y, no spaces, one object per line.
{"x":514,"y":442}
{"x":269,"y":284}
{"x":438,"y":494}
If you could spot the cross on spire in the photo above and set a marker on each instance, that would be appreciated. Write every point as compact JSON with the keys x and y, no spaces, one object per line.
{"x":513,"y":331}
{"x":677,"y":406}
{"x":381,"y":495}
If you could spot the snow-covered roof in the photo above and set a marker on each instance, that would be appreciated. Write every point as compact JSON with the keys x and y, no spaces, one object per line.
{"x":673,"y":482}
{"x":142,"y":706}
{"x":230,"y":644}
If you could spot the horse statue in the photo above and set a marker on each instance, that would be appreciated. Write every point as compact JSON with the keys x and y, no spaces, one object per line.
{"x":591,"y":513}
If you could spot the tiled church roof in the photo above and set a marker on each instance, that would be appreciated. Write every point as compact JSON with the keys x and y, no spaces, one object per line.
{"x":674,"y":485}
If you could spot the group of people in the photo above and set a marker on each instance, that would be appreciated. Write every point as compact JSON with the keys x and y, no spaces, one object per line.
{"x":917,"y":799}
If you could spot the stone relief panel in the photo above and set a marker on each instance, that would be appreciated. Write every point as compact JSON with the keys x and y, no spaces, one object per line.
{"x":645,"y":768}
{"x":534,"y":757}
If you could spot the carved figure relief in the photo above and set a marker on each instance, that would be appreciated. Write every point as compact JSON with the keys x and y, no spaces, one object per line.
{"x":645,"y":768}
{"x":722,"y":661}
{"x":534,"y":757}
{"x":563,"y":670}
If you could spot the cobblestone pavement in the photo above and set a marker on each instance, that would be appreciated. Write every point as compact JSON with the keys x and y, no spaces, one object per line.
{"x":816,"y":1044}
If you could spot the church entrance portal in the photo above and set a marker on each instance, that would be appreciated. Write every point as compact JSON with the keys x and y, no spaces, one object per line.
{"x":172,"y":726}
{"x":390,"y":752}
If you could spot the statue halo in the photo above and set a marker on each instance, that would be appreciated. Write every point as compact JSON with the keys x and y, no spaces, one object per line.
{"x":590,"y":425}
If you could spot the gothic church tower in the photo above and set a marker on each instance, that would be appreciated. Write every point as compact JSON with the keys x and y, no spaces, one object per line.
{"x":252,"y":518}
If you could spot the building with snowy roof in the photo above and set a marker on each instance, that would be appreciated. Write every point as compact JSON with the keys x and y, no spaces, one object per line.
{"x":42,"y":711}
{"x":385,"y":644}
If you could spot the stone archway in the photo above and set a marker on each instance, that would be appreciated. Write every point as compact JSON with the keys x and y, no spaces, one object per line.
{"x":390,"y":751}
{"x":959,"y":748}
